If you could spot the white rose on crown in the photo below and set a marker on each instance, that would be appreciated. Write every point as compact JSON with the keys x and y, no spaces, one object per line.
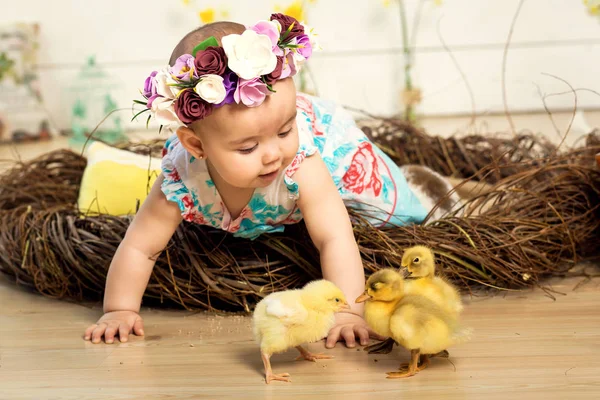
{"x":250,"y":54}
{"x":162,"y":106}
{"x":211,"y":88}
{"x":164,"y":84}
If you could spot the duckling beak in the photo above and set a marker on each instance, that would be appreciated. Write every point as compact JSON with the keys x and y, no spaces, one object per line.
{"x":405,"y":272}
{"x":362,"y":298}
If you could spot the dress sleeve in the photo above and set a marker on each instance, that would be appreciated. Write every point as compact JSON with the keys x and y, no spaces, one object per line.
{"x":306,"y":148}
{"x":173,"y":185}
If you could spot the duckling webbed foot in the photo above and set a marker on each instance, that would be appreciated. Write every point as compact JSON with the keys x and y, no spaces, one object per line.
{"x":384,"y":347}
{"x":417,"y":363}
{"x":423,"y":363}
{"x":308,"y":356}
{"x":400,"y":374}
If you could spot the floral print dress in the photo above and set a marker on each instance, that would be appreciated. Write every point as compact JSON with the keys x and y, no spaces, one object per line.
{"x":366,"y":178}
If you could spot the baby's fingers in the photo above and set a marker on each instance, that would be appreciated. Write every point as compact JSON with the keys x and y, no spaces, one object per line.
{"x":363,"y":335}
{"x":138,"y":327}
{"x":88,"y":332}
{"x":124,"y":330}
{"x":98,"y":332}
{"x":111,"y":331}
{"x":332,"y":337}
{"x":349,"y":337}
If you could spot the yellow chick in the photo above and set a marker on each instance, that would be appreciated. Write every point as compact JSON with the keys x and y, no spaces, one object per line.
{"x":287,"y":319}
{"x":413,"y":321}
{"x":419,"y":262}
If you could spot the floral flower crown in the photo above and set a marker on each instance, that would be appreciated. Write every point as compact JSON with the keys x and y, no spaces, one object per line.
{"x":242,"y":71}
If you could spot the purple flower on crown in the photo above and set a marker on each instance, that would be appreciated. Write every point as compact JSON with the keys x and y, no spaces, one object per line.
{"x":184,"y":68}
{"x":150,"y":85}
{"x":149,"y":91}
{"x":230,"y":81}
{"x":305,"y":47}
{"x":151,"y":100}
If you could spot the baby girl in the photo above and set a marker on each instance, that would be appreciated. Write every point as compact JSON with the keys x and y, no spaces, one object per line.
{"x":250,"y":155}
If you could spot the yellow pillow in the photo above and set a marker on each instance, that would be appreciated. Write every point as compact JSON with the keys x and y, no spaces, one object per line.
{"x":114,"y":180}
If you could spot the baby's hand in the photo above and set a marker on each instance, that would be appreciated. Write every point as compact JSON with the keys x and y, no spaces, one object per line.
{"x":111,"y":323}
{"x":347,"y":327}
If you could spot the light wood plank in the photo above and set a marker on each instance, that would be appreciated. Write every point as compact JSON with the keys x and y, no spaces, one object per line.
{"x":525,"y":344}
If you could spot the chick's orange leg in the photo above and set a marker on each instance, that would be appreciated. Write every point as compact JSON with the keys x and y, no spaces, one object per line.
{"x":308,"y":356}
{"x":269,"y":375}
{"x":413,"y":367}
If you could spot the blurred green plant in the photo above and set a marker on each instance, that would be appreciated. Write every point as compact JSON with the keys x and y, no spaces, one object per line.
{"x":6,"y":65}
{"x":411,"y":95}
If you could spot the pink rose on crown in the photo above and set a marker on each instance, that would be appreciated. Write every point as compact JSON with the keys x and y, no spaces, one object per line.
{"x":251,"y":92}
{"x":363,"y":173}
{"x":272,"y":29}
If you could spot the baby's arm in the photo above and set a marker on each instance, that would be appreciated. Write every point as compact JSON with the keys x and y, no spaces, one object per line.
{"x":330,"y":229}
{"x":131,"y":267}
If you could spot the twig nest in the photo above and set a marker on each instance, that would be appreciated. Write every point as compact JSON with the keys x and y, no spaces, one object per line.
{"x":537,"y":221}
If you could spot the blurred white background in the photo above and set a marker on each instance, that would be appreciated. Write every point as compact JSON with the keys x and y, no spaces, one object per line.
{"x":361,"y":64}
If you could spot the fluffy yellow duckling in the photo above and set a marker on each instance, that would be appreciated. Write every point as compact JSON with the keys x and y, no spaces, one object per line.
{"x":413,"y":321}
{"x":419,"y":265}
{"x":289,"y":318}
{"x":419,"y":262}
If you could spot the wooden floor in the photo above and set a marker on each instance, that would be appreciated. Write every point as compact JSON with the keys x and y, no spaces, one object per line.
{"x":525,"y":345}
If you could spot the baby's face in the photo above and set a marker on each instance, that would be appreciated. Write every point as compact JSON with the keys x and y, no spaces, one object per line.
{"x":248,"y":147}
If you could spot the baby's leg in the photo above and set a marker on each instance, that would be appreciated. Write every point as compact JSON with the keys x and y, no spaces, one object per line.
{"x":469,"y":189}
{"x":431,"y":189}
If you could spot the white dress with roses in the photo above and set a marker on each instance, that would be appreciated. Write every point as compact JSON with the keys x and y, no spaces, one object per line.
{"x":366,"y":178}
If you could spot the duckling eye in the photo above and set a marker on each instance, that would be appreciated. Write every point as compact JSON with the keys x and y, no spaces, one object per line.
{"x":337,"y":300}
{"x":416,"y":260}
